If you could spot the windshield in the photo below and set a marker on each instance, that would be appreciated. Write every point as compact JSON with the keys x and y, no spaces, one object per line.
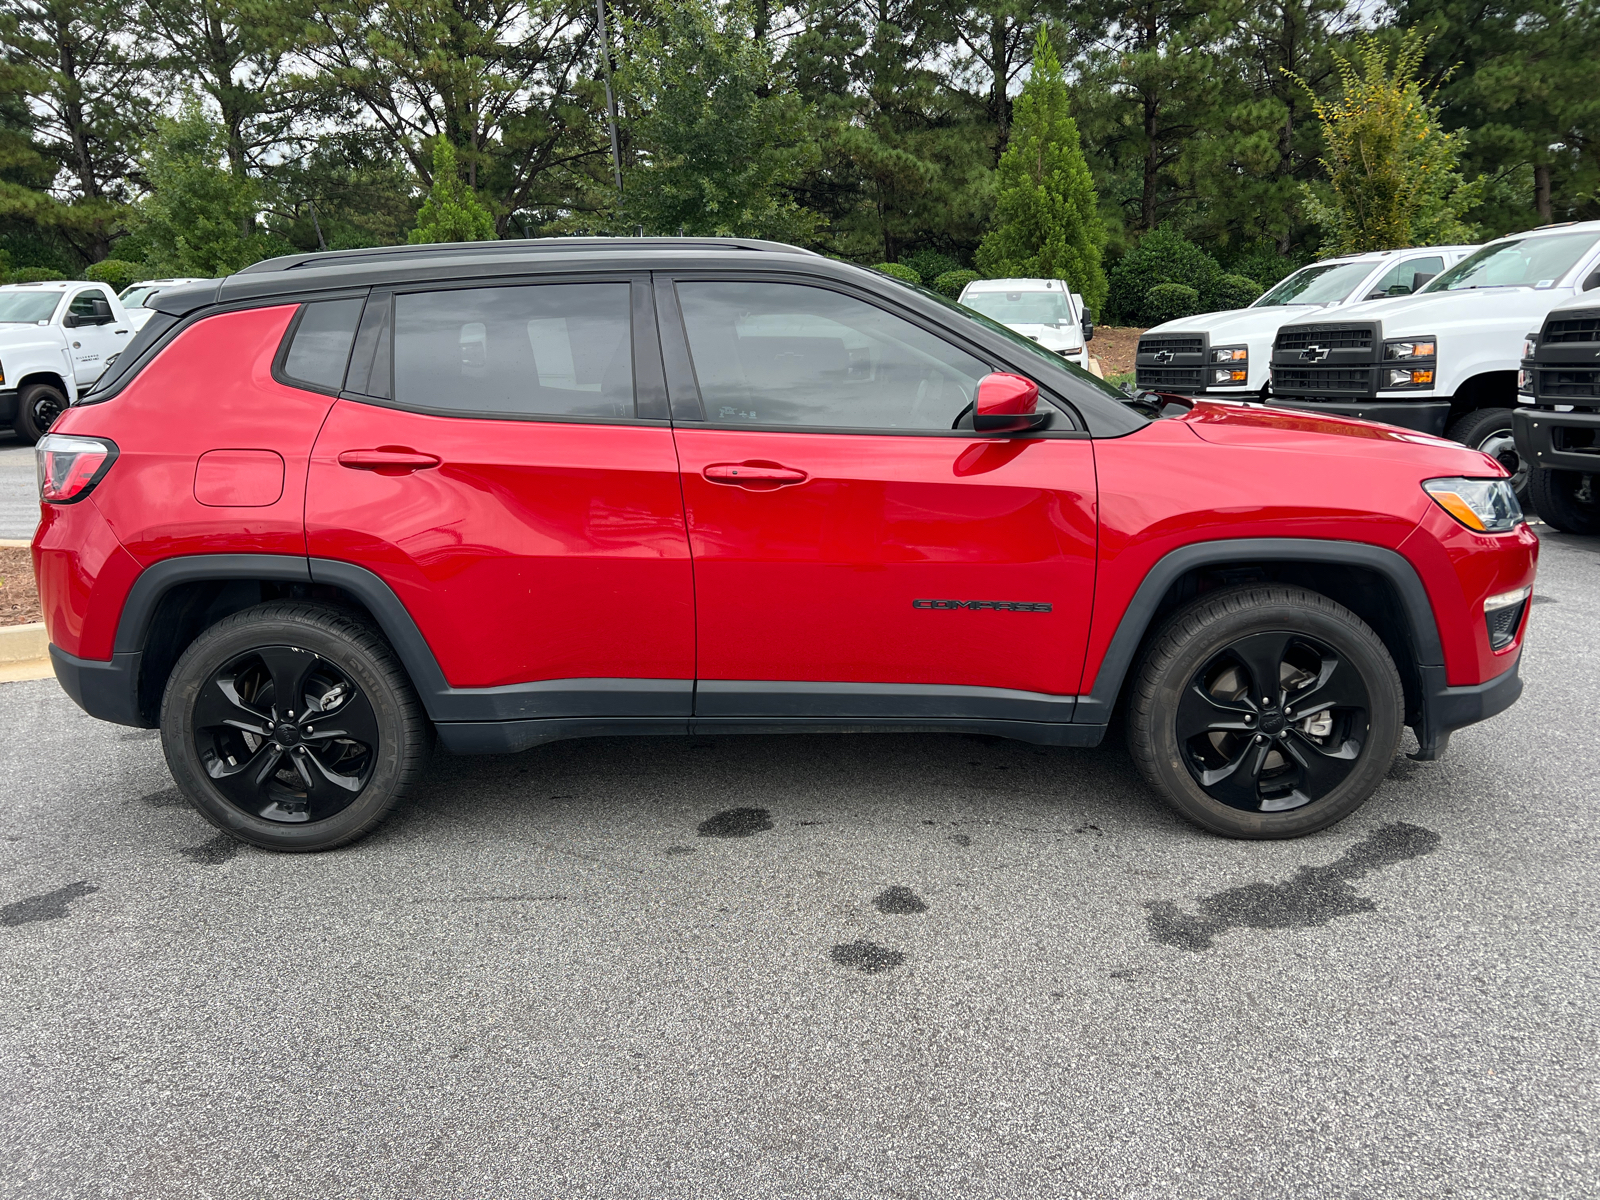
{"x":1320,"y":283}
{"x":136,"y":296}
{"x":1535,"y":262}
{"x":1022,"y":308}
{"x":27,"y":307}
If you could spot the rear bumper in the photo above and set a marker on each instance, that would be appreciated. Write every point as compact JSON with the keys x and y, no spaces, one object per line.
{"x":107,"y":690}
{"x":1425,"y":416}
{"x":1446,"y":709}
{"x":1557,"y":441}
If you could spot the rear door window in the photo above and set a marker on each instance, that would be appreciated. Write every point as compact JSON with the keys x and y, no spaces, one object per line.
{"x":554,"y":349}
{"x":320,"y":348}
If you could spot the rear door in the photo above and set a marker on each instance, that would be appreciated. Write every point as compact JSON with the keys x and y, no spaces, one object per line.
{"x":855,"y":555}
{"x":501,"y":457}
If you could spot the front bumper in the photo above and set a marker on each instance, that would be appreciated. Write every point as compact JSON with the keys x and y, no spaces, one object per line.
{"x":1446,"y":709}
{"x":8,"y":406}
{"x":1558,"y":441}
{"x":1425,"y":416}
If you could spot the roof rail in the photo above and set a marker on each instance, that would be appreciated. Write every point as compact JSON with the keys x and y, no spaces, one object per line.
{"x":335,"y":258}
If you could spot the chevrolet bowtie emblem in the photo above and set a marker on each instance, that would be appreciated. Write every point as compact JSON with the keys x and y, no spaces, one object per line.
{"x":1165,"y":356}
{"x":1313,"y":354}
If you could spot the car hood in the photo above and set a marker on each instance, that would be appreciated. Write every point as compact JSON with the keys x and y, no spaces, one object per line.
{"x":1240,"y":324}
{"x":1289,"y":428}
{"x":1443,"y":312}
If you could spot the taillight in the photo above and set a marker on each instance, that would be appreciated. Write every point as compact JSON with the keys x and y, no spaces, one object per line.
{"x":69,"y":467}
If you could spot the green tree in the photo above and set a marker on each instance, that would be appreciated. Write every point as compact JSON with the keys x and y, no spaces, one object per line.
{"x":1392,"y":169}
{"x":196,"y":214}
{"x":1047,"y":213}
{"x":452,"y":212}
{"x":718,"y":139}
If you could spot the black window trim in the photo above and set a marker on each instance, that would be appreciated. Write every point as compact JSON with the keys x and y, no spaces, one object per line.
{"x":642,"y":345}
{"x":670,"y":315}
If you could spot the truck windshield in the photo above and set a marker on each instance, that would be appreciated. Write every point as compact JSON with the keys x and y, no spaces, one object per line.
{"x":26,"y":308}
{"x":1022,"y":308}
{"x":1535,"y":262}
{"x":1320,"y":283}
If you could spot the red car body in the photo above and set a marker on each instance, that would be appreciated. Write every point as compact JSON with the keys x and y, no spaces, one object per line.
{"x":662,"y":573}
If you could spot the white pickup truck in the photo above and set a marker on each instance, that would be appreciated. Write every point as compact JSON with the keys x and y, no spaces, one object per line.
{"x":1445,"y":360}
{"x":1044,"y":310}
{"x":55,"y":340}
{"x":1226,"y":354}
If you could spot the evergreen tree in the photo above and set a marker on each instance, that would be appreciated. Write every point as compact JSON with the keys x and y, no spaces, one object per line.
{"x":1391,"y":167}
{"x":195,"y":217}
{"x":1047,"y":213}
{"x":452,"y":212}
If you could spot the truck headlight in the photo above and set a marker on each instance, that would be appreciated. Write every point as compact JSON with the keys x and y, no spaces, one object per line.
{"x":1483,"y":505}
{"x":1410,"y":348}
{"x":1236,"y":364}
{"x":1410,"y":378}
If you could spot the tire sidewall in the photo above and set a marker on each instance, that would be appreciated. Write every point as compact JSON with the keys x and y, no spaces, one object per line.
{"x":226,"y":641}
{"x":1557,"y":508}
{"x":1384,"y":722}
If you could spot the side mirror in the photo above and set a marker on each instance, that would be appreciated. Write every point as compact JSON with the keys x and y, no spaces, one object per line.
{"x":1421,"y":278}
{"x":69,"y":321}
{"x":1088,"y":323}
{"x":1007,"y":404}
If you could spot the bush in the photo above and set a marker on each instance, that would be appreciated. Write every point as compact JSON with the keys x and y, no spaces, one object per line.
{"x":117,"y":273}
{"x":930,"y":264}
{"x":899,"y":271}
{"x":1265,"y":265}
{"x":1168,"y":302}
{"x":1235,"y":291}
{"x":951,"y":283}
{"x":1162,"y":256}
{"x":35,"y":275}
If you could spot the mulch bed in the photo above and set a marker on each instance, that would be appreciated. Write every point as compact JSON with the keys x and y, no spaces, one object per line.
{"x":19,"y":598}
{"x":1114,"y":346}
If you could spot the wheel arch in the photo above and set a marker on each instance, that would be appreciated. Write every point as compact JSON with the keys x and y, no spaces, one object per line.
{"x":1375,"y":583}
{"x":1486,"y":389}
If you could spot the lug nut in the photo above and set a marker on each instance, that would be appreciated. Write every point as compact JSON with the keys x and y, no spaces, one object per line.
{"x":1261,"y":737}
{"x":1249,"y":718}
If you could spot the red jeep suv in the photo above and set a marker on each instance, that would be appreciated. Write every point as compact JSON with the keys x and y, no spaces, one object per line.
{"x":502,"y":493}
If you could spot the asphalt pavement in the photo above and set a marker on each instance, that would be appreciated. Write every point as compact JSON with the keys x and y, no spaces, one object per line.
{"x":19,"y":489}
{"x":870,"y":966}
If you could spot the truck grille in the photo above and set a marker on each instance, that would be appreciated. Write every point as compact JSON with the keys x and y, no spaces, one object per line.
{"x":1572,"y":327}
{"x":1568,"y":385}
{"x":1321,"y":381}
{"x":1167,"y":379}
{"x":1333,"y":337}
{"x":1176,"y":345}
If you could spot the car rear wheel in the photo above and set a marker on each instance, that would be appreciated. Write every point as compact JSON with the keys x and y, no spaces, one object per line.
{"x":38,"y":406}
{"x":1265,"y":711}
{"x":292,"y":726}
{"x":1567,"y":500}
{"x":1489,"y":430}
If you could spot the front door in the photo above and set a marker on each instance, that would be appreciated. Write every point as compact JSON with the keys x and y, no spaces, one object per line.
{"x":96,"y":336}
{"x":488,"y":461}
{"x":856,"y":555}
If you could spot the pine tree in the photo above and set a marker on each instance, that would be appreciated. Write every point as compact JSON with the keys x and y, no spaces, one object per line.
{"x":1048,"y":219}
{"x":194,"y":219}
{"x":452,"y":212}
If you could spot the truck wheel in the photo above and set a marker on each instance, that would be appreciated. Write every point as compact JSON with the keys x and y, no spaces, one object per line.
{"x":38,"y":406}
{"x":1265,"y":711}
{"x":1489,"y":430}
{"x":292,"y":726}
{"x":1566,"y":500}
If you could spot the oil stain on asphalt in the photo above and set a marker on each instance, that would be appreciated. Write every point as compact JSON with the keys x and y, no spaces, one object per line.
{"x":866,"y":957}
{"x":736,"y":822}
{"x":50,"y":906}
{"x":1314,"y":896}
{"x":212,"y":853}
{"x":899,"y":902}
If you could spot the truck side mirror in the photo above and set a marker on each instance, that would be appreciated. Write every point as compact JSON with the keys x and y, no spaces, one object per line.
{"x":69,"y":321}
{"x":1088,"y":323}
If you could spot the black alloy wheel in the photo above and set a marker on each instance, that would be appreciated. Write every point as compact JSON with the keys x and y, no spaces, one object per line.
{"x":1273,"y":722}
{"x":38,"y":406}
{"x":285,"y":735}
{"x":293,"y":726}
{"x":1265,"y":711}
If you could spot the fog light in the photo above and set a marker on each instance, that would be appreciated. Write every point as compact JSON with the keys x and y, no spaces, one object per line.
{"x":1503,"y":615}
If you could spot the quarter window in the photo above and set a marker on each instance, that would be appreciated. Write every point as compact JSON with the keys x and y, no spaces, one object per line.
{"x":559,"y":349}
{"x":1401,"y":279}
{"x":321,"y":346}
{"x":788,"y":354}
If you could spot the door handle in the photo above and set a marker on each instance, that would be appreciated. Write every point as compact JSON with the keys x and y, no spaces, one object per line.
{"x":763,"y":476}
{"x":388,"y":460}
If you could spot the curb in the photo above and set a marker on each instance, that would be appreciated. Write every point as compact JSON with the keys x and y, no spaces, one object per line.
{"x":14,"y":543}
{"x":24,"y":653}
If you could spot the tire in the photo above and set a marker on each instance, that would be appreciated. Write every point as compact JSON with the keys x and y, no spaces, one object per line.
{"x":1489,"y":430}
{"x":1196,"y":673}
{"x":265,"y":777}
{"x":38,"y":406}
{"x":1567,"y":500}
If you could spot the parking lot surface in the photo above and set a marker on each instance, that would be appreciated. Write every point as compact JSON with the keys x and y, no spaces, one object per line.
{"x":19,"y":492}
{"x":872,"y":966}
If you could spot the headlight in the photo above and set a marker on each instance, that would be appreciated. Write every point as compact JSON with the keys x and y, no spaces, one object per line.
{"x":1231,"y":354}
{"x":1410,"y":348}
{"x":1238,"y":369}
{"x":1530,"y":344}
{"x":1411,"y":378}
{"x":2,"y":373}
{"x":1524,"y":382}
{"x":1484,"y":505}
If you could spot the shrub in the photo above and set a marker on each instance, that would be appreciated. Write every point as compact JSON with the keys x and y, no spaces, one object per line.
{"x":930,"y":264}
{"x":117,"y":273}
{"x":35,"y":275}
{"x":899,"y":271}
{"x":1265,"y":265}
{"x":951,"y":283}
{"x":1235,"y":291}
{"x":1169,"y":301}
{"x":1162,"y":256}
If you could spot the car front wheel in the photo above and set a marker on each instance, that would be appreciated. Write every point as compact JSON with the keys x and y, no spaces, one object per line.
{"x":292,"y":726}
{"x":1265,"y":711}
